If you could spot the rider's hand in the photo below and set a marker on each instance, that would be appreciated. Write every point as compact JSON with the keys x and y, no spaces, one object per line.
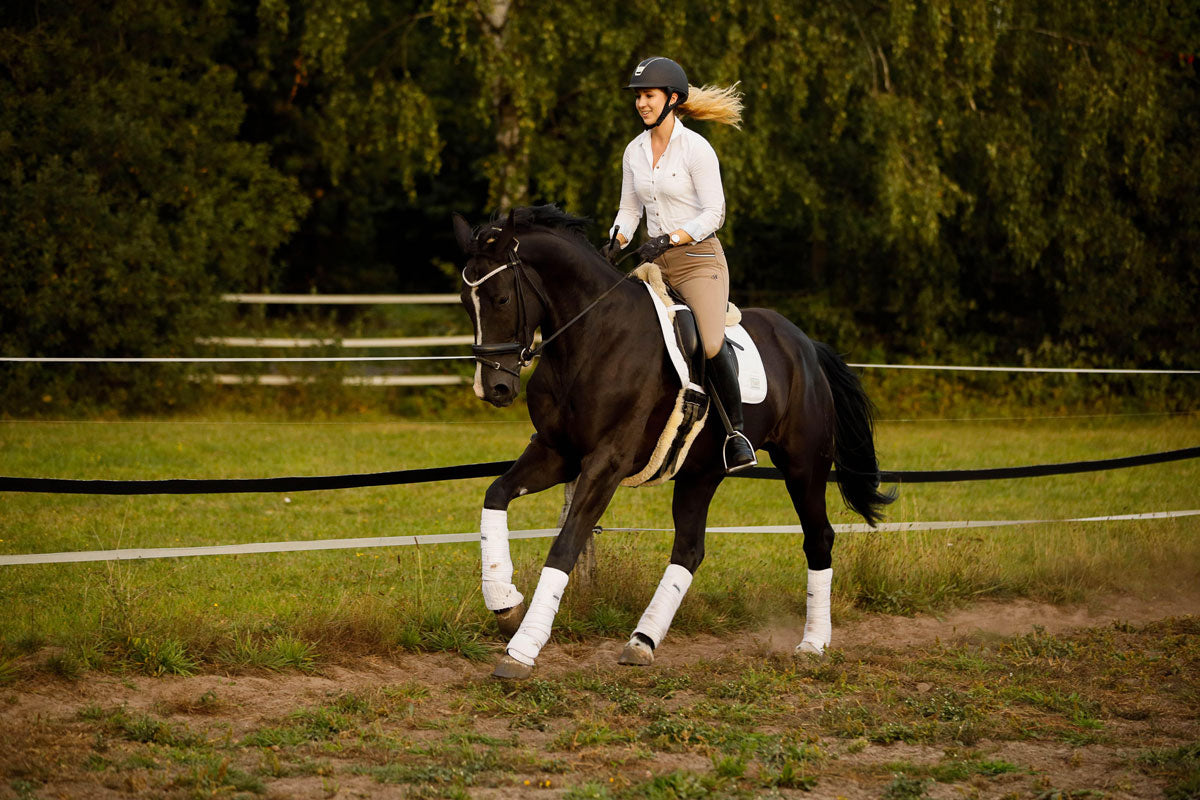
{"x":611,"y":250}
{"x":653,"y":248}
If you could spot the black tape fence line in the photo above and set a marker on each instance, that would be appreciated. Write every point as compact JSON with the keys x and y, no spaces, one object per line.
{"x":495,"y":468}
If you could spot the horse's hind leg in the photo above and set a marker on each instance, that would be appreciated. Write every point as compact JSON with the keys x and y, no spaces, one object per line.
{"x":806,"y":485}
{"x":536,"y":469}
{"x":693,"y":494}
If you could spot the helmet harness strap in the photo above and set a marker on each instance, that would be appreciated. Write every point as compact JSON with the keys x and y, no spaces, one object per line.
{"x":668,"y":107}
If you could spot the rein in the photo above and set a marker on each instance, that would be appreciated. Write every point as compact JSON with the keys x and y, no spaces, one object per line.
{"x":526,"y":353}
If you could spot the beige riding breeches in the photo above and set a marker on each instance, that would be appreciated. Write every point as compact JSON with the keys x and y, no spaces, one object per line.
{"x":699,"y":273}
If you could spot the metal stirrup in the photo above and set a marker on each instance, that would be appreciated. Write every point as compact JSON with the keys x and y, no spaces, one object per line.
{"x":725,"y":458}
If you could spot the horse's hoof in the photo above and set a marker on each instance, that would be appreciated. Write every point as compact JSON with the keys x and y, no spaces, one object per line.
{"x":807,"y":648}
{"x":509,"y":620}
{"x":636,"y":654}
{"x":509,"y":669}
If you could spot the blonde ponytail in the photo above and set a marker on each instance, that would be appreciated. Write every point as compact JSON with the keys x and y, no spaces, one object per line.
{"x":714,"y":103}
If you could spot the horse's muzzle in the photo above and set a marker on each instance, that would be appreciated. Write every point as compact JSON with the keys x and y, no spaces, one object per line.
{"x":500,"y":394}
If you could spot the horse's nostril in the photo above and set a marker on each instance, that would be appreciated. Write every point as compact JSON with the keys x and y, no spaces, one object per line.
{"x":500,"y":389}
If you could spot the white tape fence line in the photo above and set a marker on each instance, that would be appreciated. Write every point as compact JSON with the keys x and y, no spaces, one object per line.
{"x":351,"y":359}
{"x":378,"y":342}
{"x":360,"y":380}
{"x":1058,"y":370}
{"x":450,"y":538}
{"x":344,"y":299}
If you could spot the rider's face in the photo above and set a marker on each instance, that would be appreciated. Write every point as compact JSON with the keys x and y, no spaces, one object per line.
{"x":649,"y":104}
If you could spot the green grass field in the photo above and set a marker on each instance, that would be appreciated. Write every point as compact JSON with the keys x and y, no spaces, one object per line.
{"x":300,"y":609}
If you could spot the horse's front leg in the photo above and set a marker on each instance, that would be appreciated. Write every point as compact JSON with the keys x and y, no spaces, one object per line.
{"x":598,"y":481}
{"x":538,"y":468}
{"x":689,"y":508}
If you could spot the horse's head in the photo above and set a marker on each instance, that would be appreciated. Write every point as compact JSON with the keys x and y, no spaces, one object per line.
{"x":504,"y":307}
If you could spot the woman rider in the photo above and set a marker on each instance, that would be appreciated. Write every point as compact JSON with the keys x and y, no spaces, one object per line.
{"x":673,"y":174}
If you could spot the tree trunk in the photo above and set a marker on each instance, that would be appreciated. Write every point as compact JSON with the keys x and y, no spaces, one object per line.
{"x":585,"y":567}
{"x":509,"y":179}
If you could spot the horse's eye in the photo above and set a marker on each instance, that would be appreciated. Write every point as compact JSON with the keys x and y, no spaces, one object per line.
{"x":502,"y":301}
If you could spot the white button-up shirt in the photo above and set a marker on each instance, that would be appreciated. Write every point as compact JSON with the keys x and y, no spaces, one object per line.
{"x":682,"y":192}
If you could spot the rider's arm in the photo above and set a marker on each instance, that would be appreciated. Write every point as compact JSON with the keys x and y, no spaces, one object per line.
{"x":630,"y":214}
{"x":706,"y":177}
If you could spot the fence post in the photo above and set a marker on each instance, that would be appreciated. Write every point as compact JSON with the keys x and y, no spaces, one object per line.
{"x":585,"y":568}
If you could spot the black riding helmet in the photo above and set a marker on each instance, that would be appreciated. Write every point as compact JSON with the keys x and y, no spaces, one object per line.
{"x":658,"y":72}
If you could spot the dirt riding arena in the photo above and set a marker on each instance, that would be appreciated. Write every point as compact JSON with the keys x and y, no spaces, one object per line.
{"x":996,"y":700}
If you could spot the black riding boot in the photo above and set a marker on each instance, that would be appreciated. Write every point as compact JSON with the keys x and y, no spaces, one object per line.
{"x":727,"y":397}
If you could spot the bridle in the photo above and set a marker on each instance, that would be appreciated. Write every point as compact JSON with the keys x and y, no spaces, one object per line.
{"x":487,"y":353}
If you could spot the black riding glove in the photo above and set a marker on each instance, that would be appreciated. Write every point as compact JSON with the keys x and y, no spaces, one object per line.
{"x":611,"y":250}
{"x":653,"y":248}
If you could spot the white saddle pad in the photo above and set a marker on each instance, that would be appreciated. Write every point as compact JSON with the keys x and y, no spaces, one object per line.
{"x":751,"y":375}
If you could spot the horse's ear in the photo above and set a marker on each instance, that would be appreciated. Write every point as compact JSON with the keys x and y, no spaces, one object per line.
{"x":462,"y":232}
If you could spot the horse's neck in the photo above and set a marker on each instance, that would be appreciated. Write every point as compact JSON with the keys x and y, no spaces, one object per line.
{"x":572,"y":281}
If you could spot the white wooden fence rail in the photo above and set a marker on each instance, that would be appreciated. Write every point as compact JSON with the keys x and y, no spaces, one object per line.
{"x":377,"y":342}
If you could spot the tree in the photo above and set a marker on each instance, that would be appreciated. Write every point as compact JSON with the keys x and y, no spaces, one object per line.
{"x":127,"y":200}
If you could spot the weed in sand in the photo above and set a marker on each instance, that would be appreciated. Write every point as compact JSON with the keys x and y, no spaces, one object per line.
{"x":159,"y":656}
{"x":281,"y":652}
{"x":140,"y":727}
{"x":1040,"y":645}
{"x":525,"y":703}
{"x":789,"y":775}
{"x":96,"y":763}
{"x":454,"y":766}
{"x":682,"y":784}
{"x":590,"y":733}
{"x":665,"y":686}
{"x":678,"y":732}
{"x":212,"y":774}
{"x":627,"y":700}
{"x":943,"y":705}
{"x":752,"y":686}
{"x":310,"y":725}
{"x":728,"y":766}
{"x":588,"y":791}
{"x":64,"y":665}
{"x":9,"y":670}
{"x":953,"y":768}
{"x":1180,"y":766}
{"x":906,"y":787}
{"x":23,"y":788}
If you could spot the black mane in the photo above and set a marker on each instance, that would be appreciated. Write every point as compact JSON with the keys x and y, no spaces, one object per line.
{"x":550,"y":216}
{"x":528,"y":217}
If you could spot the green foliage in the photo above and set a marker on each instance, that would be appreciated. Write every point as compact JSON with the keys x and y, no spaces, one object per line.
{"x":128,"y":200}
{"x":928,"y":179}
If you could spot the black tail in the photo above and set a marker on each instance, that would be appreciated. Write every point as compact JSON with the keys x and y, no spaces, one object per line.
{"x":854,"y":439}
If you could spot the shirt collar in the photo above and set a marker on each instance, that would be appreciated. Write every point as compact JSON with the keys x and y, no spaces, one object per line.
{"x":676,"y":132}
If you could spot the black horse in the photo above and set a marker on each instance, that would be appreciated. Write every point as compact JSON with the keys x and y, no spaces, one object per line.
{"x":600,"y":396}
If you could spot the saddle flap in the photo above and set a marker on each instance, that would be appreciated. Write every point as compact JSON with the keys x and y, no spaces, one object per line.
{"x":687,"y":334}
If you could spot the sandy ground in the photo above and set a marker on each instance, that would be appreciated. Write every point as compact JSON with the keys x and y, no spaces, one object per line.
{"x":39,"y":719}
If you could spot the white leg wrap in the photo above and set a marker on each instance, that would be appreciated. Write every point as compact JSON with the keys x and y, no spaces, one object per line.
{"x":818,"y":629}
{"x":498,"y":590}
{"x":531,"y":637}
{"x":658,"y":615}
